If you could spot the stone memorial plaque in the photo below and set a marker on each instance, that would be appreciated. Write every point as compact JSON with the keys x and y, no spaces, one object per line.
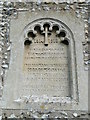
{"x":46,"y":65}
{"x":42,"y":59}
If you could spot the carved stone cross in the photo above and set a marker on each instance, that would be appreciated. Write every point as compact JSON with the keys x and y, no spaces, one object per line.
{"x":46,"y":36}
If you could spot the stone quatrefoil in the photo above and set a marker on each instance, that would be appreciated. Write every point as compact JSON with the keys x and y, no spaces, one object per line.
{"x":46,"y":30}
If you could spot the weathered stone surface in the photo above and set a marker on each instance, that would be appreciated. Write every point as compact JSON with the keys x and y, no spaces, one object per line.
{"x":43,"y":60}
{"x":52,"y":1}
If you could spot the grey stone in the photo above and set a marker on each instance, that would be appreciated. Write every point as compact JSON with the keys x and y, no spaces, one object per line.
{"x":44,"y":59}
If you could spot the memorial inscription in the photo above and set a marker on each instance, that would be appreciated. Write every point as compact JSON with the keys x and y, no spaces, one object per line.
{"x":46,"y":62}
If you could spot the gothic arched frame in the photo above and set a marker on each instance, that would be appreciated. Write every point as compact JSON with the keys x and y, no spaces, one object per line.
{"x":71,"y":49}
